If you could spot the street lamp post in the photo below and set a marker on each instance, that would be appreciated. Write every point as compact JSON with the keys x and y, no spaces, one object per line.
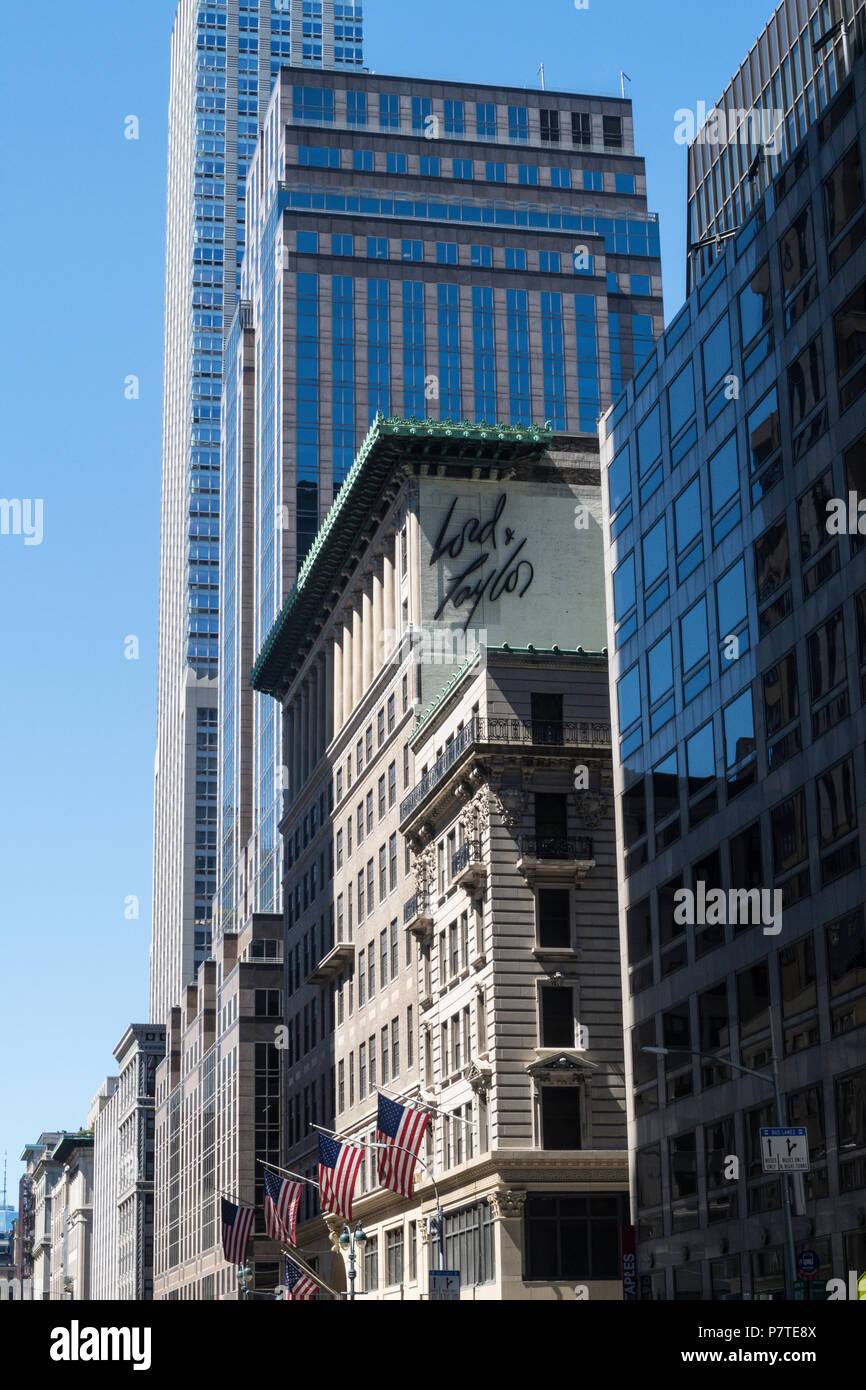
{"x":440,"y":1222}
{"x":349,"y":1241}
{"x":771,"y":1080}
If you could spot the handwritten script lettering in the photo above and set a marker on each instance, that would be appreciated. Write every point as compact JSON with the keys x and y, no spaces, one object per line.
{"x":508,"y":574}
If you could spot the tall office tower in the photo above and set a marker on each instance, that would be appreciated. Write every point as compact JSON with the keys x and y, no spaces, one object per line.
{"x":737,"y":633}
{"x":416,"y":248}
{"x":794,"y":69}
{"x":450,"y":878}
{"x":225,"y":56}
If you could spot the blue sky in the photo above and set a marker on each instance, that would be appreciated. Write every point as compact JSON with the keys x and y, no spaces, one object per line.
{"x":83,"y":235}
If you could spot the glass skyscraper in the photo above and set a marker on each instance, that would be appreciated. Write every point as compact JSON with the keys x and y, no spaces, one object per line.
{"x":416,"y":249}
{"x":225,"y":57}
{"x":793,"y":70}
{"x":737,"y":633}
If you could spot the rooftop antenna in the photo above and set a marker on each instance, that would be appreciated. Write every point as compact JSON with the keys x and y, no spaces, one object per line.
{"x":623,"y":78}
{"x":540,"y":69}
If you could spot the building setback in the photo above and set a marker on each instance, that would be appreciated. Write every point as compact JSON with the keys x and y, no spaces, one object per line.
{"x":737,"y":633}
{"x":225,"y":57}
{"x":449,"y":882}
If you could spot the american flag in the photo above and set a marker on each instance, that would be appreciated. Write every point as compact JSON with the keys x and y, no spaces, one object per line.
{"x":402,"y":1129}
{"x":281,"y":1207}
{"x":338,"y":1169}
{"x":237,"y":1226}
{"x":299,"y":1286}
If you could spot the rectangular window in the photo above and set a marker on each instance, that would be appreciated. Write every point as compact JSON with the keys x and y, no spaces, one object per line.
{"x":556,"y":1011}
{"x":559,"y":1108}
{"x":553,"y":917}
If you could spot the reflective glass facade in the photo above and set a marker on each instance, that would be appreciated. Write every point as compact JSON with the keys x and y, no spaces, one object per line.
{"x":386,"y":273}
{"x":225,"y":57}
{"x":776,"y":95}
{"x":738,"y":666}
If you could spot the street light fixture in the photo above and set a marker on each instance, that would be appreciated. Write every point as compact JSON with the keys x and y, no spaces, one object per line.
{"x":350,"y":1241}
{"x":771,"y":1080}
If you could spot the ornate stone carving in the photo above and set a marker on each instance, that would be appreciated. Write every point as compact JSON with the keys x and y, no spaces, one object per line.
{"x":475,"y":816}
{"x":423,"y":1233}
{"x":425,"y":871}
{"x":511,"y":803}
{"x":507,"y":1203}
{"x":591,"y":806}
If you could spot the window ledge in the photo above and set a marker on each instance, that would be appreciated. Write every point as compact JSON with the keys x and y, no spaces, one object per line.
{"x":566,"y":953}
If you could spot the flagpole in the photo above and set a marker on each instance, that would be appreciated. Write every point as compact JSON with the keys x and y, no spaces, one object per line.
{"x":371,"y":1144}
{"x":426,"y":1105}
{"x":298,"y":1260}
{"x":288,"y":1172}
{"x":236,"y":1200}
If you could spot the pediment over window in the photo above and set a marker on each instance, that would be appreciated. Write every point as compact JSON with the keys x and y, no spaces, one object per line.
{"x":562,"y":1066}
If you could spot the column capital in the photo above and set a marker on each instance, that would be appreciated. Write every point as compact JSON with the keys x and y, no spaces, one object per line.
{"x":507,"y":1203}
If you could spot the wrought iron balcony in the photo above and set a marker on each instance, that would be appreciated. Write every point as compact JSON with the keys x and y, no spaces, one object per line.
{"x":568,"y":733}
{"x":467,"y":866}
{"x":417,"y":916}
{"x":556,"y":847}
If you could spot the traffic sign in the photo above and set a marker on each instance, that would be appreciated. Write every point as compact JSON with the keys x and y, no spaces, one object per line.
{"x":807,"y":1264}
{"x":784,"y":1150}
{"x":444,"y":1285}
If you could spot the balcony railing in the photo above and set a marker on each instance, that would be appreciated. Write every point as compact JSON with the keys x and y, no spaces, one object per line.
{"x":555,"y":847}
{"x":467,"y":854}
{"x":567,"y":733}
{"x":417,"y":906}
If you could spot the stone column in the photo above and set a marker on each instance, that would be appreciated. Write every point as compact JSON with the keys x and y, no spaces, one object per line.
{"x":378,"y":612}
{"x":305,"y":730}
{"x":329,"y":692}
{"x":321,"y":704}
{"x":348,"y":665}
{"x":367,"y":632}
{"x":296,"y":744}
{"x":389,"y":620}
{"x":357,"y":656}
{"x":337,"y":678}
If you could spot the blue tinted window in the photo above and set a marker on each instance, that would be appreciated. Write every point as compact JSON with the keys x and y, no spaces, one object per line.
{"x":716,"y":353}
{"x":701,"y":758}
{"x":356,"y":108}
{"x":461,"y":168}
{"x":762,"y":430}
{"x":481,"y":255}
{"x":377,"y":247}
{"x":660,"y":668}
{"x":308,"y":241}
{"x":413,"y":251}
{"x":341,"y":245}
{"x":623,"y":588}
{"x":724,"y":474}
{"x":687,"y":515}
{"x":694,"y":638}
{"x":731,"y":599}
{"x":485,"y":120}
{"x":649,"y":441}
{"x":395,"y":163}
{"x":681,"y":398}
{"x":363,"y":159}
{"x":560,"y":178}
{"x":518,"y":125}
{"x":318,"y":157}
{"x":429,"y":166}
{"x":655,"y":553}
{"x":421,"y":109}
{"x":389,"y":111}
{"x":619,"y":479}
{"x":527,"y":173}
{"x":514,"y":259}
{"x":612,"y":282}
{"x":640,"y":284}
{"x":624,"y":183}
{"x":453,"y":117}
{"x":739,"y":725}
{"x":755,"y":303}
{"x":548,"y":260}
{"x":446,"y":252}
{"x":494,"y":173}
{"x":592,"y":181}
{"x":628,"y":698}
